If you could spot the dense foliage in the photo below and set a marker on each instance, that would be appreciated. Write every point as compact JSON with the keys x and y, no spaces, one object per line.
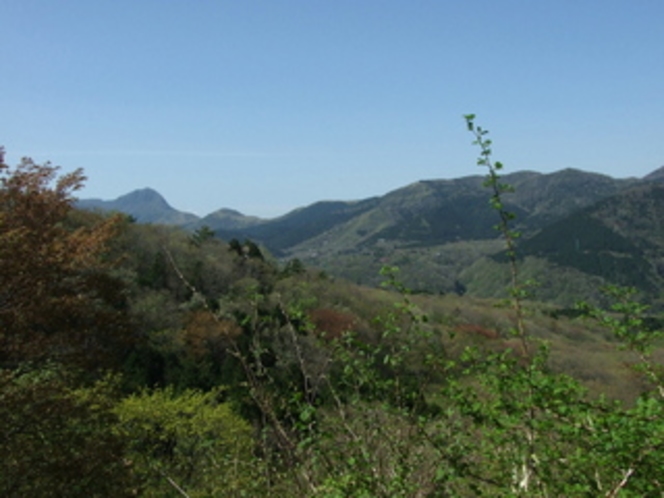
{"x":141,"y":360}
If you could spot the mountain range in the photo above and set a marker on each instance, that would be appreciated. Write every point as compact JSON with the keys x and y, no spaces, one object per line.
{"x":586,"y":227}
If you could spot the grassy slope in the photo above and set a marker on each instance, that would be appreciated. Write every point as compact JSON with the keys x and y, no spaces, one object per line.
{"x":578,"y":346}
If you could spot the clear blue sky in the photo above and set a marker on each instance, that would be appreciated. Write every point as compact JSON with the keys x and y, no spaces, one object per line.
{"x":264,"y":106}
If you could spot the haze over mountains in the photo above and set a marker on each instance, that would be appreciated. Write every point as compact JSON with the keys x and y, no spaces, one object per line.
{"x":441,"y":232}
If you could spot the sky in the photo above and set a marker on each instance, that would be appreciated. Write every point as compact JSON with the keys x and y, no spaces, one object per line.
{"x":264,"y":106}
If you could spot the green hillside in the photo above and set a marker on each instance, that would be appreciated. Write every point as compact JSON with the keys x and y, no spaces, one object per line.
{"x":144,"y":360}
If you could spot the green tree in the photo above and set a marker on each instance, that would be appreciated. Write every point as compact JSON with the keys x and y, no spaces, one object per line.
{"x":58,"y":440}
{"x":187,"y":443}
{"x":202,"y":235}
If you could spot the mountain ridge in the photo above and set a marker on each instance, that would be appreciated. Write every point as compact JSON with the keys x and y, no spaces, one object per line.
{"x":440,"y":231}
{"x":148,"y":205}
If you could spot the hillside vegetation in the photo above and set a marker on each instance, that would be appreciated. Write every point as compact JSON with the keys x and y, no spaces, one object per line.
{"x":441,"y":234}
{"x":146,"y":360}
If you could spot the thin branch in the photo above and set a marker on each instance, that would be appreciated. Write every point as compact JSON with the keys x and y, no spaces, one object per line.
{"x":174,"y":484}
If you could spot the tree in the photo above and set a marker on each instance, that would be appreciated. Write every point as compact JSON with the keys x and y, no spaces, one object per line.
{"x":57,"y":440}
{"x":188,"y":444}
{"x":57,"y":298}
{"x":202,"y":235}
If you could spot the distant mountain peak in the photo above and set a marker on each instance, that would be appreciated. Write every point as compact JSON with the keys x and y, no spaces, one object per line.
{"x":229,"y":219}
{"x":655,"y":176}
{"x":145,"y":196}
{"x":148,"y":191}
{"x":146,"y":205}
{"x":228,"y":212}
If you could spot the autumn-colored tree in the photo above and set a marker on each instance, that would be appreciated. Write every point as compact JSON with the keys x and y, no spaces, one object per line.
{"x":331,"y":323}
{"x":57,"y":299}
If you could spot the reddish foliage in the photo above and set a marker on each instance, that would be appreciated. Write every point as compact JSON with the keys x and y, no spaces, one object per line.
{"x":332,"y":323}
{"x":472,"y":328}
{"x":204,"y":333}
{"x":57,"y":299}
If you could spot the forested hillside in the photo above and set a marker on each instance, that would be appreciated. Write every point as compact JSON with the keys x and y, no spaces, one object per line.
{"x":617,"y":240}
{"x":146,"y":360}
{"x":441,"y":234}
